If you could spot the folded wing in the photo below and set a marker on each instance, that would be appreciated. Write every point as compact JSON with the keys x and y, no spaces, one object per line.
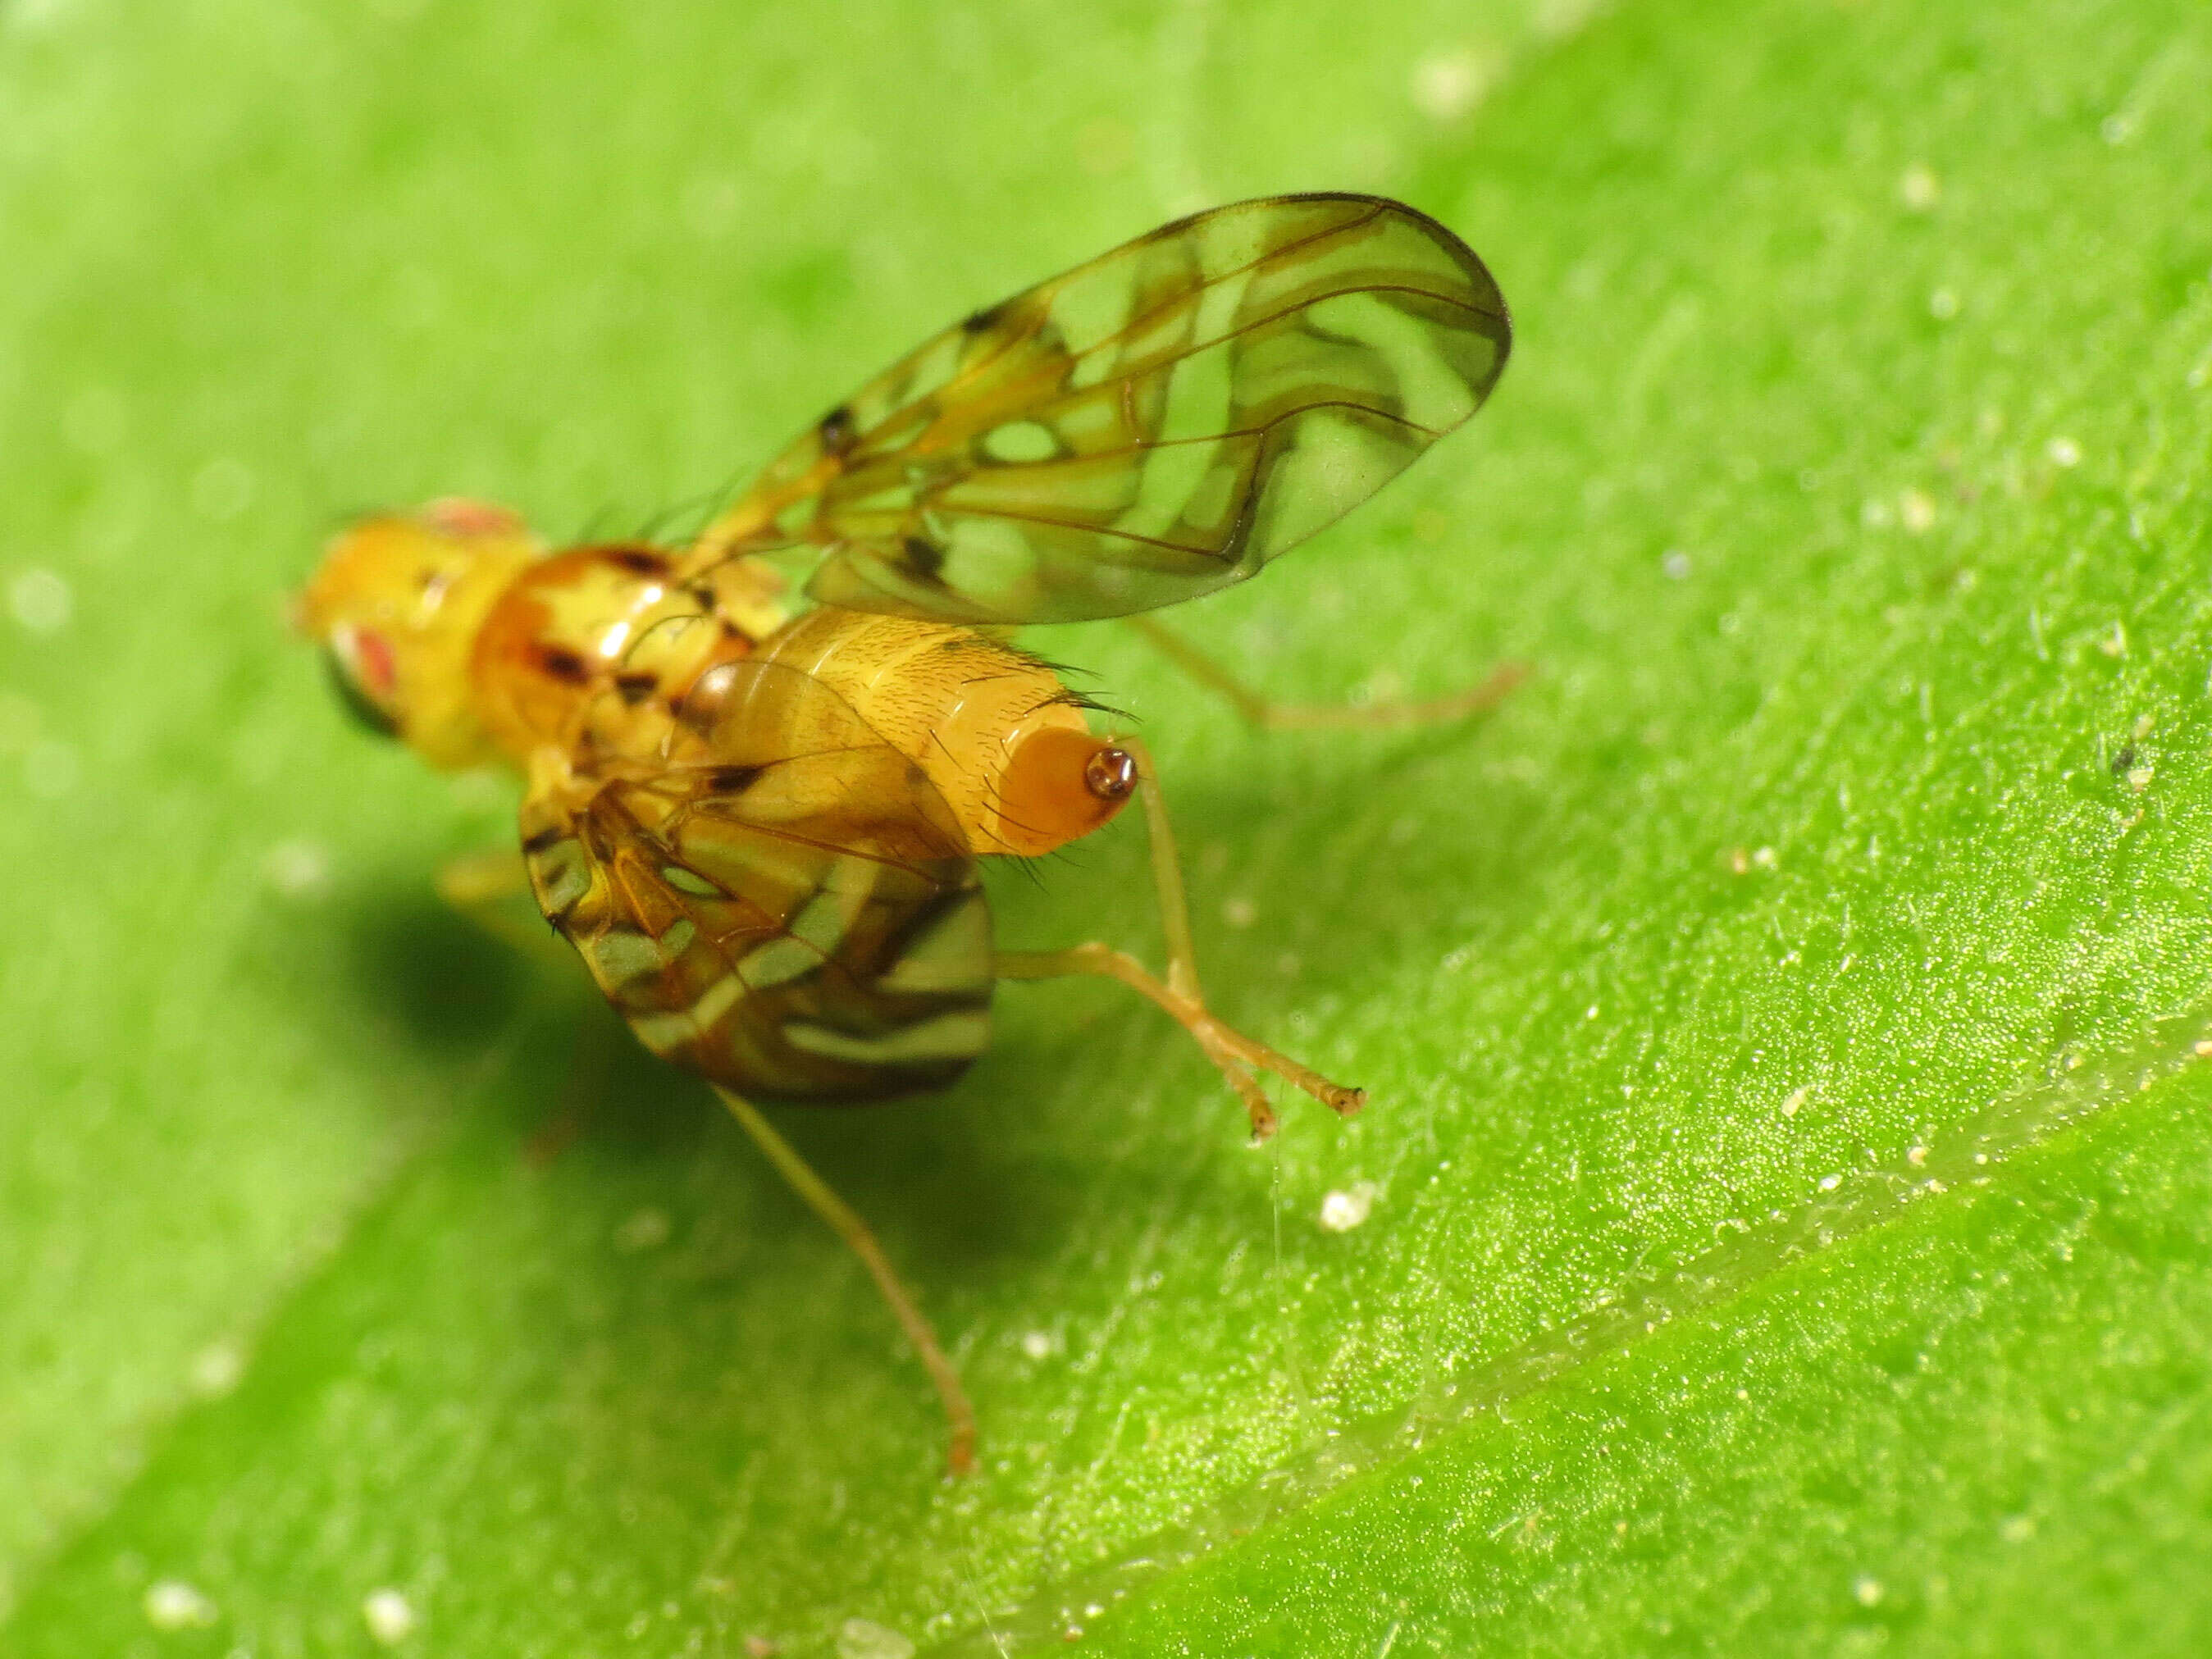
{"x":785,"y":904}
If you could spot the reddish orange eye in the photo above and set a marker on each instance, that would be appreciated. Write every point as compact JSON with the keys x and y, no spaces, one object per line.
{"x":372,"y":661}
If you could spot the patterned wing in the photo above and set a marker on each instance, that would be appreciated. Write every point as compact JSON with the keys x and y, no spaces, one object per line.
{"x":786,"y":907}
{"x":1149,"y":427}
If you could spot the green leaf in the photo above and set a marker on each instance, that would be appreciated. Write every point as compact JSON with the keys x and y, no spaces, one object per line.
{"x":1789,"y":1211}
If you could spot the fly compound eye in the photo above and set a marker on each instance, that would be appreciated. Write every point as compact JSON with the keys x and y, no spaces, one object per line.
{"x":367,"y":712}
{"x":364,"y":674}
{"x":1110,"y":774}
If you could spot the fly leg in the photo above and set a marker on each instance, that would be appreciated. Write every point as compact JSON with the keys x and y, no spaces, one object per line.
{"x":484,"y":887}
{"x":489,"y":889}
{"x":1240,"y":1058}
{"x":845,"y":1221}
{"x":1271,"y":716}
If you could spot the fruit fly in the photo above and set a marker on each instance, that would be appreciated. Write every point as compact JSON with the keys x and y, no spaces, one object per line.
{"x":762,"y":767}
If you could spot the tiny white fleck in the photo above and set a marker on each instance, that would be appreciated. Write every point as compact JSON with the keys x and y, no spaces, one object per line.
{"x":51,"y":769}
{"x":1919,"y":189}
{"x":1828,"y":1183}
{"x":1916,"y":1156}
{"x":646,"y":1230}
{"x":216,"y":1369}
{"x":1447,"y":84}
{"x":1343,"y":1209}
{"x":1868,"y":1590}
{"x":1676,"y":563}
{"x":1764,"y":858}
{"x":297,"y":868}
{"x":2139,"y":777}
{"x":2115,"y":644}
{"x":1093,"y":1610}
{"x":2064,"y":452}
{"x":2017,"y":1528}
{"x":1943,"y":304}
{"x":863,"y":1638}
{"x":1915,"y":510}
{"x":1240,"y":912}
{"x":1743,"y":1394}
{"x":1590,"y":1013}
{"x":389,"y":1616}
{"x":1796,"y":1099}
{"x":172,"y":1604}
{"x":40,"y":599}
{"x":222,"y":489}
{"x":1037,"y":1345}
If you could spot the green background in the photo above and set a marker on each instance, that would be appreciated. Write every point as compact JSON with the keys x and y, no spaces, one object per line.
{"x":1793,"y":1224}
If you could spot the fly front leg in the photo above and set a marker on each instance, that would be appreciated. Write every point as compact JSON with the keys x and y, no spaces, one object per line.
{"x":1239,"y":1058}
{"x":1271,"y":716}
{"x":488,"y":888}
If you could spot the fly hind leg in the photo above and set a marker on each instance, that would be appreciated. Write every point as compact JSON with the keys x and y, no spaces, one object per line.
{"x":1271,"y":716}
{"x":1240,"y":1059}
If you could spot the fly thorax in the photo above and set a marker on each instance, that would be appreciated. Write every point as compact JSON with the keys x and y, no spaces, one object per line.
{"x":589,"y":649}
{"x":1000,"y":738}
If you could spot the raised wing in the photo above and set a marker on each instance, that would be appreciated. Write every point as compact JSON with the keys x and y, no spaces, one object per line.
{"x":786,"y":906}
{"x":1151,"y":426}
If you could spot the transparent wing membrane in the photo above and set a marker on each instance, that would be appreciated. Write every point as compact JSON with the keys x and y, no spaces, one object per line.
{"x":1150,"y":427}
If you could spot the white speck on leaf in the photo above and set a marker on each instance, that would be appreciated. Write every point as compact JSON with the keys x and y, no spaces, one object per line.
{"x":216,"y":1368}
{"x":172,"y":1604}
{"x":1866,"y":1590}
{"x":1343,"y":1209}
{"x":297,"y":869}
{"x":863,"y":1638}
{"x":1919,"y":189}
{"x":2064,"y":452}
{"x":646,"y":1230}
{"x":389,"y":1616}
{"x":1446,"y":85}
{"x":41,"y":599}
